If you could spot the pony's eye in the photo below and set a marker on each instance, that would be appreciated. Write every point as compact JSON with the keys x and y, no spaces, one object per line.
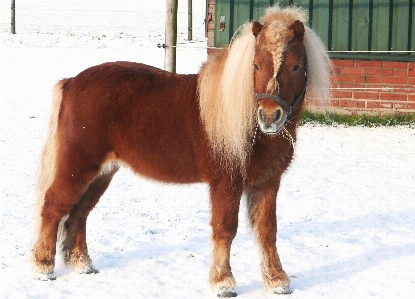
{"x":296,"y":68}
{"x":256,"y":66}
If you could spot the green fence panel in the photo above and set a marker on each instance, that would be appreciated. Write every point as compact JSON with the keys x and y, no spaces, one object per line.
{"x":411,"y":32}
{"x":338,"y":36}
{"x":400,"y":25}
{"x":379,"y":28}
{"x":359,"y":28}
{"x":222,"y":13}
{"x":321,"y":20}
{"x":343,"y":25}
{"x":258,"y":8}
{"x":242,"y":14}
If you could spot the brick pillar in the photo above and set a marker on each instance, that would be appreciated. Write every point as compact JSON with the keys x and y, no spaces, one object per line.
{"x":210,"y":24}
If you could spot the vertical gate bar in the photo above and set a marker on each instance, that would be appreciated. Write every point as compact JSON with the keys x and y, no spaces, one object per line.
{"x":390,"y":27}
{"x":251,"y":10}
{"x":411,"y":2}
{"x":231,"y":14}
{"x":310,"y":13}
{"x":350,"y":29}
{"x":189,"y":20}
{"x":369,"y":36}
{"x":171,"y":36}
{"x":330,"y":34}
{"x":13,"y":18}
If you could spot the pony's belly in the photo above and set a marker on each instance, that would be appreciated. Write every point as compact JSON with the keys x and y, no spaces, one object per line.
{"x":180,"y":170}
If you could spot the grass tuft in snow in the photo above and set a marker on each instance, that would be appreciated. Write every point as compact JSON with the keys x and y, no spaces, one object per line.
{"x":358,"y":120}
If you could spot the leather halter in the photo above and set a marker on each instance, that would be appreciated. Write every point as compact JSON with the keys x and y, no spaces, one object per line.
{"x":281,"y":102}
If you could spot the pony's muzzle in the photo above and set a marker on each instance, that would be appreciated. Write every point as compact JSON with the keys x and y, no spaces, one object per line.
{"x":271,"y":121}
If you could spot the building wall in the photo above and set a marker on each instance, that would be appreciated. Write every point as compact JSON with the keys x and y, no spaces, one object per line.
{"x":359,"y":86}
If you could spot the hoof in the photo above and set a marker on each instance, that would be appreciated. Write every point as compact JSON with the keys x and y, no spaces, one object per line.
{"x":225,"y":292}
{"x":45,"y":276}
{"x":282,"y":290}
{"x":87,"y":270}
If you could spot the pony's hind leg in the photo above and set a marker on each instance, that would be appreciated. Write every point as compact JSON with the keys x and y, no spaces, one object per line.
{"x":74,"y":247}
{"x":70,"y":181}
{"x":225,"y":208}
{"x":262,"y":215}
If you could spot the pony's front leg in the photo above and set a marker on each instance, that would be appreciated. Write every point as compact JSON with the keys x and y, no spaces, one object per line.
{"x":225,"y":207}
{"x":263,"y":218}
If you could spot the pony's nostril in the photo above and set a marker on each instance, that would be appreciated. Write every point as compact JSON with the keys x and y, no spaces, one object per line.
{"x":269,"y":117}
{"x":261,"y":114}
{"x":277,"y":116}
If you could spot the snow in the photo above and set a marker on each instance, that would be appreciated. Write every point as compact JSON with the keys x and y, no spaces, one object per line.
{"x":346,"y":225}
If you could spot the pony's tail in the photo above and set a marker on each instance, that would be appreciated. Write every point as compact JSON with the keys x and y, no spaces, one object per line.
{"x":47,"y":161}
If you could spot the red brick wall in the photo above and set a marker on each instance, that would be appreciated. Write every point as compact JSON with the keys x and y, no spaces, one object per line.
{"x":372,"y":87}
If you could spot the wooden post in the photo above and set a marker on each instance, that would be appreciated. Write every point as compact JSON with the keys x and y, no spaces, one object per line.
{"x":189,"y":20}
{"x":171,"y":36}
{"x":13,"y":19}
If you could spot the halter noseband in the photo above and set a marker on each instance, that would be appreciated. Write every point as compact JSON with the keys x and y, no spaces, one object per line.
{"x":276,"y":98}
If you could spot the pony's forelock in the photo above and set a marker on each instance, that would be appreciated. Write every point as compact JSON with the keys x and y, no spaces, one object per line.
{"x":275,"y":34}
{"x":319,"y":69}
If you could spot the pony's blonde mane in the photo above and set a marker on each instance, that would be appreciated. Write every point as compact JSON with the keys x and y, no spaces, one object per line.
{"x":319,"y":68}
{"x":226,"y":86}
{"x":226,"y":98}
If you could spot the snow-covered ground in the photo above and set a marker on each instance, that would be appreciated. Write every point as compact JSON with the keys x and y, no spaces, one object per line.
{"x":345,"y":209}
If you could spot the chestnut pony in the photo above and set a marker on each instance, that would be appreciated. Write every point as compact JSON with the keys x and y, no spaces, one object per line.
{"x":232,"y":125}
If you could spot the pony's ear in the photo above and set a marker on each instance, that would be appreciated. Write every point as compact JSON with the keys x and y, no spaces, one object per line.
{"x":256,"y":28}
{"x":298,"y":28}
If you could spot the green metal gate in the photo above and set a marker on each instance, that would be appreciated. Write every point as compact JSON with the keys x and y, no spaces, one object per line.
{"x":366,"y":29}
